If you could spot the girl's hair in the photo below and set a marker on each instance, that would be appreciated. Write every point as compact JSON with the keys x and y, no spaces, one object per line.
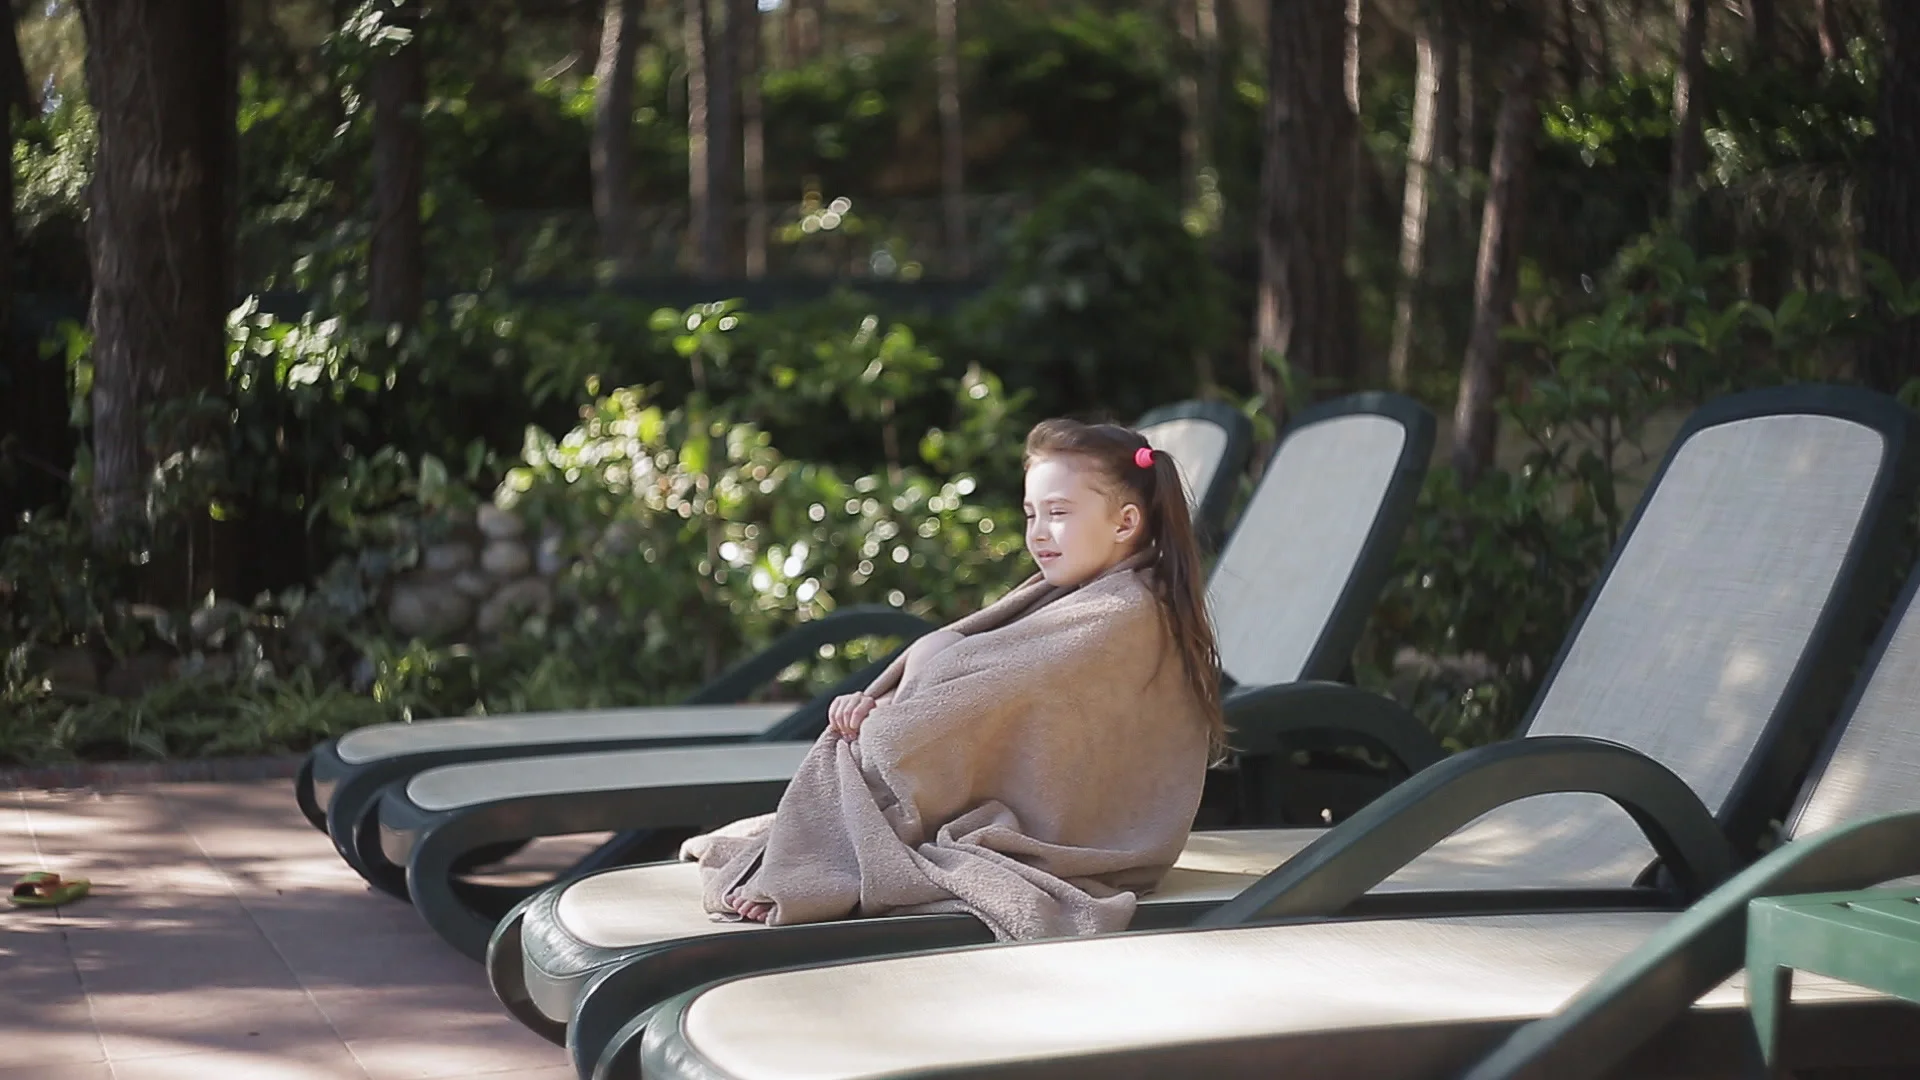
{"x":1115,"y":452}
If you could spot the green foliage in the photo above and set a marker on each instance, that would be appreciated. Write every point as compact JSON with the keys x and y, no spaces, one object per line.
{"x":1105,"y":298}
{"x":1072,"y":92}
{"x":1489,"y":577}
{"x":694,"y":539}
{"x":187,"y":717}
{"x":688,"y":538}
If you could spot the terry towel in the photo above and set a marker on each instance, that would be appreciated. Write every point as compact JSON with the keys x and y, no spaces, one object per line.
{"x":1040,"y":774}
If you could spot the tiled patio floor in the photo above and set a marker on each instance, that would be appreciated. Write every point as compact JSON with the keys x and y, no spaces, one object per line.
{"x":225,"y":938}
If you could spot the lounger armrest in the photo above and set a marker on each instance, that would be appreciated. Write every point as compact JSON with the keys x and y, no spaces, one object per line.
{"x":1305,"y":715}
{"x":1629,"y":1004}
{"x":1391,"y":831}
{"x":801,"y":642}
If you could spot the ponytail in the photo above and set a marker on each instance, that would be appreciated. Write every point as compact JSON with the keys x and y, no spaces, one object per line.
{"x":1150,"y":478}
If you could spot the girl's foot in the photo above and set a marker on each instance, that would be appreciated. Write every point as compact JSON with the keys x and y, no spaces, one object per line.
{"x":750,"y":910}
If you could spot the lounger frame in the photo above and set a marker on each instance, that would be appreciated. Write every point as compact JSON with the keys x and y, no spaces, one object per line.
{"x":1331,"y":877}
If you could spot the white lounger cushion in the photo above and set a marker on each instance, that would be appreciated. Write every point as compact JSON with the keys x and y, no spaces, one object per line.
{"x":661,"y":902}
{"x":641,"y":905}
{"x":1101,"y":995}
{"x":538,"y":729}
{"x":453,"y":786}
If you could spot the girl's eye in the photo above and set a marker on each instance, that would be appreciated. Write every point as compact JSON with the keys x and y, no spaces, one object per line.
{"x":1057,"y":513}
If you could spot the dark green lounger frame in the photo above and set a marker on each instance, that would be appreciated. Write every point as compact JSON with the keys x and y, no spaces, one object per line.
{"x":1641,"y":1010}
{"x":1332,"y":876}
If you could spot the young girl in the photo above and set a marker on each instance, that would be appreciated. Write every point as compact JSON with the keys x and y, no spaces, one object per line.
{"x":1037,"y":763}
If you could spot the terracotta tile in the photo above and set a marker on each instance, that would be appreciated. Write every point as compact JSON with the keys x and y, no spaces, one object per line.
{"x":322,"y":916}
{"x":451,"y":1014}
{"x":71,"y":1070}
{"x":380,"y":960}
{"x":189,"y":948}
{"x":47,"y":1020}
{"x":227,"y":938}
{"x":334,"y":1064}
{"x":439,"y":1055}
{"x":186,"y":1021}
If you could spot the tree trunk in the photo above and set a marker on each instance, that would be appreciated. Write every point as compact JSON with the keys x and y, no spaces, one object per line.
{"x":701,"y":235}
{"x":15,"y":95}
{"x":1572,"y":64}
{"x":1304,"y":309}
{"x":723,"y":148}
{"x":1603,"y":49}
{"x":1893,"y":198}
{"x":1442,"y":27}
{"x":1350,"y":52}
{"x":612,"y":155}
{"x":1762,"y":27}
{"x":14,"y":89}
{"x":1495,"y":274}
{"x":397,"y":89}
{"x":803,"y":30}
{"x":1413,"y":214}
{"x":1198,"y":90}
{"x":753,"y":134}
{"x":953,"y":145}
{"x":1829,"y":28}
{"x":10,"y":99}
{"x":1472,"y":48}
{"x":709,"y":128}
{"x":160,"y":77}
{"x":1689,"y":150}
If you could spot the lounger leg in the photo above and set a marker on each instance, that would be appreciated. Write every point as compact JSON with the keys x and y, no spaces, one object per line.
{"x":620,"y":1058}
{"x":371,"y":862}
{"x":507,"y":974}
{"x":1769,"y":990}
{"x":430,"y":874}
{"x":310,"y":807}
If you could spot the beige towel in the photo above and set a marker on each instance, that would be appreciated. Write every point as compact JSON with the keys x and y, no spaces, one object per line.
{"x":1039,"y":774}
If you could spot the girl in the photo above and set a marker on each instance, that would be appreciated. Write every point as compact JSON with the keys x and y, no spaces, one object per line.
{"x":1037,"y":763}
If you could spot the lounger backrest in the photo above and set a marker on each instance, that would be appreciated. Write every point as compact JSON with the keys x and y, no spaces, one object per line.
{"x":1872,"y":762}
{"x":1312,"y":548}
{"x":1711,"y":640}
{"x":1209,"y":442}
{"x":1197,"y":447}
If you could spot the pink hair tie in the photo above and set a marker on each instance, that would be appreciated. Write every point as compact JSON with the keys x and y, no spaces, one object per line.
{"x":1143,"y":457}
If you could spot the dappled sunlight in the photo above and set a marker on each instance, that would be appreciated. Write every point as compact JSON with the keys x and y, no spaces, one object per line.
{"x":1133,"y":991}
{"x":1733,"y":560}
{"x":225,"y":938}
{"x":1548,"y":841}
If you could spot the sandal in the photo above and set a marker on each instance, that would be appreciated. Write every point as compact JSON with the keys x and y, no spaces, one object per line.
{"x":44,"y":889}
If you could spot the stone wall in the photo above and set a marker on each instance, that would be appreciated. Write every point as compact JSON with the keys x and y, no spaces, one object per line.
{"x":487,"y":574}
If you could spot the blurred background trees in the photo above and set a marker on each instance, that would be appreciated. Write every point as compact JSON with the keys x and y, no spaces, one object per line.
{"x":281,"y":304}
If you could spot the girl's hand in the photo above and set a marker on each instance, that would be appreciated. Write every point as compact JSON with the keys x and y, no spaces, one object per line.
{"x":847,"y":712}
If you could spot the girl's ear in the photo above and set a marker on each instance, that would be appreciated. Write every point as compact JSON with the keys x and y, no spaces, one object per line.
{"x":1130,"y":521}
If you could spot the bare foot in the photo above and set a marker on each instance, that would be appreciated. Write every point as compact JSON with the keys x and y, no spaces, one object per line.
{"x":750,"y":910}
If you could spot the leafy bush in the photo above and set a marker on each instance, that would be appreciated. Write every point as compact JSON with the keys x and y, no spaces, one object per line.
{"x":690,"y":538}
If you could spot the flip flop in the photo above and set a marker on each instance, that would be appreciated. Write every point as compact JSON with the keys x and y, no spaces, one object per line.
{"x":44,"y":889}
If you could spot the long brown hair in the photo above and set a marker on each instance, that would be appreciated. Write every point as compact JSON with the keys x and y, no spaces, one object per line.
{"x":1114,"y":451}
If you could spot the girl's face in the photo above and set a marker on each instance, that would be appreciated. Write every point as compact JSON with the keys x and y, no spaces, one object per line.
{"x":1075,"y":530}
